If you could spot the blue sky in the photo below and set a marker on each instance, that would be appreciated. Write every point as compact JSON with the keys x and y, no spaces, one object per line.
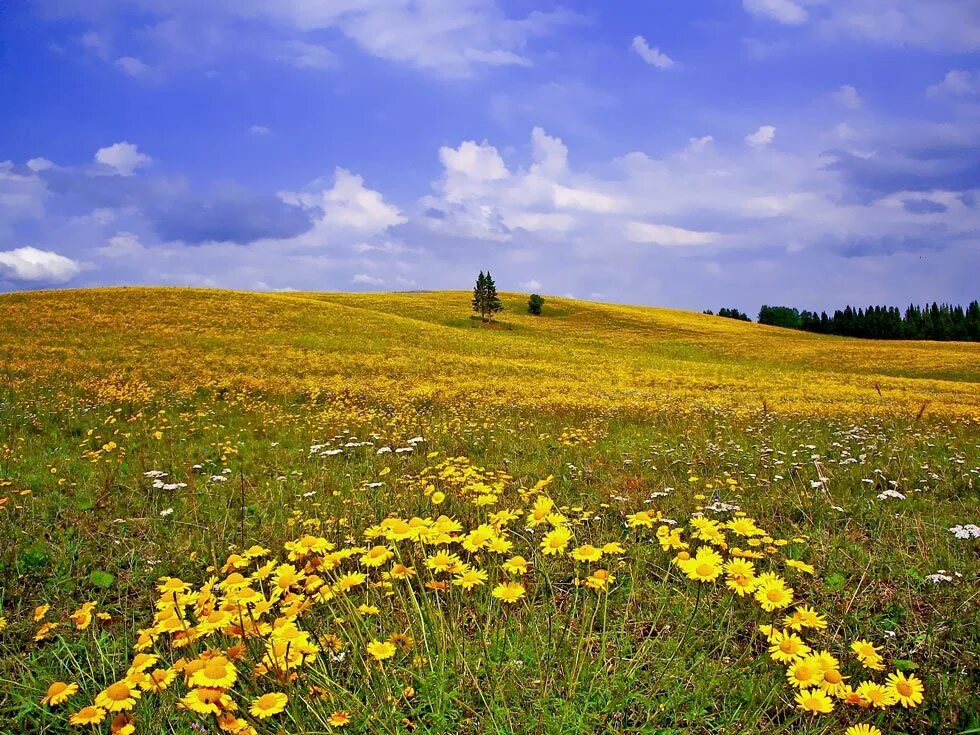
{"x":689,"y":154}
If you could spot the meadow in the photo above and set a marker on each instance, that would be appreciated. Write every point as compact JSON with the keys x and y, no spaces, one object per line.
{"x":371,"y":513}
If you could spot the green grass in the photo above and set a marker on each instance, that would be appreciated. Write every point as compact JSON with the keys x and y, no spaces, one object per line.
{"x":654,"y":655}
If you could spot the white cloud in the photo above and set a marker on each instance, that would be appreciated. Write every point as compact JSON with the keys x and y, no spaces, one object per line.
{"x":666,"y":235}
{"x":123,"y":158}
{"x":848,"y":97}
{"x":783,"y":11}
{"x":347,"y":206}
{"x":699,"y":145}
{"x":122,"y":245}
{"x":956,"y":83}
{"x":532,"y":285}
{"x":651,"y":55}
{"x":763,"y":136}
{"x":367,"y":280}
{"x":469,"y":167}
{"x":30,"y":265}
{"x":132,"y":66}
{"x":259,"y":130}
{"x":448,"y":37}
{"x":943,"y":25}
{"x":39,"y":164}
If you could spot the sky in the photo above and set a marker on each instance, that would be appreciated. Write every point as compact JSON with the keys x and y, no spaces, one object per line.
{"x":702,"y":154}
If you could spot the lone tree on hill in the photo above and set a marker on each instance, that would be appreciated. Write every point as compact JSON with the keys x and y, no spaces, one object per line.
{"x":486,"y":303}
{"x":534,"y":304}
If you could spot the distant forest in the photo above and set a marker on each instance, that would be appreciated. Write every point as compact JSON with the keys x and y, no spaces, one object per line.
{"x":944,"y":322}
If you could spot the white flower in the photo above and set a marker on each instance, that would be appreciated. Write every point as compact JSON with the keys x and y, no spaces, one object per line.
{"x":166,"y":512}
{"x":154,"y":474}
{"x":219,"y":478}
{"x":970,"y":530}
{"x":889,"y":493}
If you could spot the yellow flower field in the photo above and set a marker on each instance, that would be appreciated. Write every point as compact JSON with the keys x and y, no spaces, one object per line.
{"x":322,"y":513}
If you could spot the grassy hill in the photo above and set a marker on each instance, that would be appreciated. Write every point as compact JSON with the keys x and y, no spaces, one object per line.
{"x":423,"y":346}
{"x":229,"y":512}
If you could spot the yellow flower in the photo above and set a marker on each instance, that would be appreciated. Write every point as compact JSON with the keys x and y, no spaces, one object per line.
{"x":833,"y":681}
{"x":216,"y":673}
{"x":376,"y":556}
{"x":877,"y":695}
{"x":907,"y":690}
{"x":862,"y":729}
{"x":470,"y":578}
{"x":516,"y":565}
{"x":508,"y":591}
{"x":117,"y":697}
{"x":786,"y":647}
{"x":805,"y":617}
{"x":804,"y":673}
{"x":338,"y":718}
{"x":437,"y":498}
{"x":205,"y":700}
{"x":814,"y":700}
{"x":143,"y":661}
{"x":705,"y":566}
{"x":350,"y":581}
{"x":45,"y":631}
{"x":773,"y":595}
{"x":442,"y":561}
{"x":40,"y":611}
{"x":122,"y":724}
{"x":268,"y":705}
{"x":641,"y":518}
{"x":87,"y":716}
{"x":867,"y":654}
{"x":587,"y":553}
{"x":59,"y":692}
{"x":556,"y":540}
{"x":158,"y":680}
{"x":802,"y":566}
{"x":599,"y":579}
{"x":381,"y":650}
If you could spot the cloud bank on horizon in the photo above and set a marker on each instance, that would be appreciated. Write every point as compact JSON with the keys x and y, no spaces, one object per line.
{"x":698,"y":155}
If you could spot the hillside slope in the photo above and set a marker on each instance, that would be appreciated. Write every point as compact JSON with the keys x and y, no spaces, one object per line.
{"x":427,"y":346}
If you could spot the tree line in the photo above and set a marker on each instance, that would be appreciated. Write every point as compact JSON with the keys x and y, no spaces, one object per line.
{"x":942,"y":322}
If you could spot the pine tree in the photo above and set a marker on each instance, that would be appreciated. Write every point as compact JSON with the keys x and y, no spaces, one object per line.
{"x":480,"y":296}
{"x":491,"y":300}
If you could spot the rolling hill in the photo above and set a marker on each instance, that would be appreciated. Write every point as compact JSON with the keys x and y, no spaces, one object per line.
{"x":428,"y":346}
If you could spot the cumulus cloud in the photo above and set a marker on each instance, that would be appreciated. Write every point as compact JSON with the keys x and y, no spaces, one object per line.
{"x":956,"y":83}
{"x":531,"y":285}
{"x":365,"y":279}
{"x":782,"y":11}
{"x":651,"y":55}
{"x":31,"y":265}
{"x":347,"y":208}
{"x":122,"y":158}
{"x":761,"y":137}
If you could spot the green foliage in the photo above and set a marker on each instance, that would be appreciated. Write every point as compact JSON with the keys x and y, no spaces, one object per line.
{"x":485,"y":301}
{"x":101,"y":579}
{"x":534,"y":304}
